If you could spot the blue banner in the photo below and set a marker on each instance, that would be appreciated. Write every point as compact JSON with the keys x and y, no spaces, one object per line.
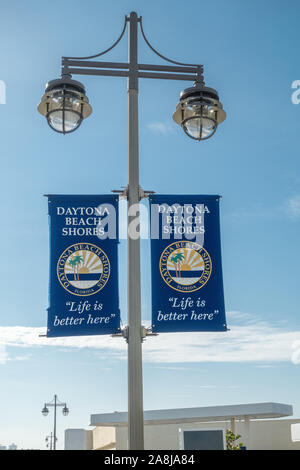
{"x":84,"y":297}
{"x":187,"y":283}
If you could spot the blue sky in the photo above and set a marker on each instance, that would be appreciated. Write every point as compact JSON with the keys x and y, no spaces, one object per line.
{"x":250,"y":55}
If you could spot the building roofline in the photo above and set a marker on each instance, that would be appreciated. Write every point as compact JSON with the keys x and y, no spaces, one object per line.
{"x":202,"y":414}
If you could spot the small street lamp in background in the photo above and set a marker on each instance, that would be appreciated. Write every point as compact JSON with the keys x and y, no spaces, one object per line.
{"x":65,"y":411}
{"x":49,"y":440}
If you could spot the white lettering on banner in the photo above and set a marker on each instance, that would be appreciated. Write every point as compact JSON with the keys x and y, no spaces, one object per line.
{"x":72,"y":321}
{"x":186,"y":303}
{"x":81,"y":307}
{"x":176,"y":221}
{"x":100,"y":210}
{"x":183,"y":316}
{"x":91,"y":221}
{"x":178,"y":209}
{"x":185,"y":220}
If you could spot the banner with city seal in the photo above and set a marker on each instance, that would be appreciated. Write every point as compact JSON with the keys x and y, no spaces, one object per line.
{"x":187,"y":283}
{"x":84,"y":296}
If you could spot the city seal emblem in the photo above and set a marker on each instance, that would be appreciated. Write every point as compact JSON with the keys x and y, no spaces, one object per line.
{"x":83,"y":269}
{"x":185,"y":266}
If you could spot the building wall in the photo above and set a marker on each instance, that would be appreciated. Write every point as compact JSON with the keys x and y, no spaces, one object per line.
{"x":75,"y":439}
{"x":104,"y":438}
{"x":163,"y":436}
{"x":89,"y":440}
{"x":273,"y":434}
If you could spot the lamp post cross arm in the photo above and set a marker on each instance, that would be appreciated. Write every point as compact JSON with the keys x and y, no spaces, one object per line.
{"x":123,"y":69}
{"x":85,"y":66}
{"x":56,"y":404}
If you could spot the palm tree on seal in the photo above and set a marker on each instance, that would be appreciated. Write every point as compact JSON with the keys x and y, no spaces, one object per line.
{"x":177,"y":260}
{"x":75,"y":262}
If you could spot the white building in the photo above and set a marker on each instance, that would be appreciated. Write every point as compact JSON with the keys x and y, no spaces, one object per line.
{"x":261,"y":426}
{"x":12,"y":447}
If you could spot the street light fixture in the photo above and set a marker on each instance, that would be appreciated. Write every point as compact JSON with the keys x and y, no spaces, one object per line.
{"x":49,"y":441}
{"x":64,"y":104}
{"x":199,"y":112}
{"x":65,"y":411}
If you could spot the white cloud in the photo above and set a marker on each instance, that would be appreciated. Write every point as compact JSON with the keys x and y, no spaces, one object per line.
{"x":215,"y":386}
{"x":288,"y":208}
{"x":249,"y":340}
{"x":29,"y":337}
{"x":159,"y":127}
{"x":250,"y":343}
{"x":3,"y":354}
{"x":294,"y":206}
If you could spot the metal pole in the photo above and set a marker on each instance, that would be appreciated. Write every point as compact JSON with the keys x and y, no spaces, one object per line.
{"x":54,"y":437}
{"x":135,"y":373}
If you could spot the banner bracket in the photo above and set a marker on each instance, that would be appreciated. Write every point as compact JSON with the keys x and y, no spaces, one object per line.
{"x":122,"y":334}
{"x":144,"y":194}
{"x":123,"y":193}
{"x":145,"y":331}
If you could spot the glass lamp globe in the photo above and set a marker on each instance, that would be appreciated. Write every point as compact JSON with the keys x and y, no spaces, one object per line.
{"x":199,"y":112}
{"x":65,"y":105}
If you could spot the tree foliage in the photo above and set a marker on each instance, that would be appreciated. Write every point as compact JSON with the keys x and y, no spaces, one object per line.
{"x":231,"y":439}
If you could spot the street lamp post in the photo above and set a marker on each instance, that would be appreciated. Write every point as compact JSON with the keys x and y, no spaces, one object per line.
{"x":199,"y":112}
{"x":49,"y":440}
{"x":65,"y":411}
